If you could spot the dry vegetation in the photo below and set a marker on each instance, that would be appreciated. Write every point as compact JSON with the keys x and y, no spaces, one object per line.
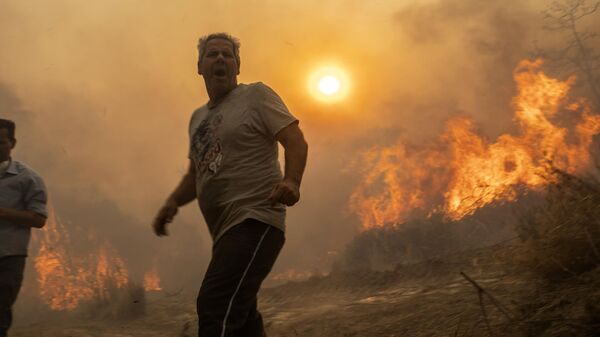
{"x":426,"y":238}
{"x":543,"y":282}
{"x":117,"y":303}
{"x":560,"y":250}
{"x":561,"y":238}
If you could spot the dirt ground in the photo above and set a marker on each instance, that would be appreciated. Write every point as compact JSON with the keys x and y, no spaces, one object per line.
{"x":426,"y":299}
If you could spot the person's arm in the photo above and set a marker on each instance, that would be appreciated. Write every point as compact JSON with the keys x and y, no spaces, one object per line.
{"x":24,"y":218}
{"x":183,"y":194}
{"x":296,"y":150}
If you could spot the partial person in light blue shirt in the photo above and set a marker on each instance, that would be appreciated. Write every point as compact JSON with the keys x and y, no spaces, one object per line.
{"x":23,"y":200}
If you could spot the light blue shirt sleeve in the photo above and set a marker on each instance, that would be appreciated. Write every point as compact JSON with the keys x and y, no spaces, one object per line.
{"x":36,"y":196}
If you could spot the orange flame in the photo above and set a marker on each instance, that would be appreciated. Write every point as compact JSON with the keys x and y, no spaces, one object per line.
{"x":462,"y":172}
{"x":65,"y":280}
{"x":152,"y":280}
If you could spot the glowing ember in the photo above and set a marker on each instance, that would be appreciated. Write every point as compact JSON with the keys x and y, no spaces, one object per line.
{"x":65,"y":279}
{"x":152,"y":280}
{"x":461,"y":171}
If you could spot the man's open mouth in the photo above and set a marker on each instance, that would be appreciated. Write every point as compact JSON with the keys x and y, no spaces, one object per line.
{"x":220,"y":72}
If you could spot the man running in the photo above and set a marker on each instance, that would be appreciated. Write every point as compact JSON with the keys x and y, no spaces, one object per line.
{"x":234,"y":174}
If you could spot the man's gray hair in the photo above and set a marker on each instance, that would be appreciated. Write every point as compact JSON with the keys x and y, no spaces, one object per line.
{"x":235,"y":42}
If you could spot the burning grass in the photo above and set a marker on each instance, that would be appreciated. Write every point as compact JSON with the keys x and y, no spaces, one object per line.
{"x":65,"y":277}
{"x":90,"y":279}
{"x":451,"y":180}
{"x":462,"y":171}
{"x":549,"y":279}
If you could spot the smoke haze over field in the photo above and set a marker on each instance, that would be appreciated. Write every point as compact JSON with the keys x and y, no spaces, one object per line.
{"x":103,"y":91}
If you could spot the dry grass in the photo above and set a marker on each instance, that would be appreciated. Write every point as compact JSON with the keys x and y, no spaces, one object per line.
{"x":559,"y":250}
{"x":382,"y":248}
{"x":116,"y":303}
{"x":562,"y":236}
{"x":422,"y":239}
{"x":556,"y":263}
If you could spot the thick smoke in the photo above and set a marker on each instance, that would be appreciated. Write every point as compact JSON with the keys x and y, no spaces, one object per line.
{"x":103,"y":91}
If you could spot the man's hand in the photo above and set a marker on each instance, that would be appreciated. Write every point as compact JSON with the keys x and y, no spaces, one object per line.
{"x":165,"y":216}
{"x":286,"y":192}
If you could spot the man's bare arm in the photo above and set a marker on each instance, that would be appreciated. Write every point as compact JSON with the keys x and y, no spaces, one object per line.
{"x":183,"y":194}
{"x":24,"y":218}
{"x":296,"y":150}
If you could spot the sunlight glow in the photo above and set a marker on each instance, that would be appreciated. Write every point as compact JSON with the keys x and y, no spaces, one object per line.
{"x":329,"y":84}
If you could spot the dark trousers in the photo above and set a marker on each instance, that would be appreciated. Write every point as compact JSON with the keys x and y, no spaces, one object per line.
{"x":11,"y":277}
{"x":241,"y":259}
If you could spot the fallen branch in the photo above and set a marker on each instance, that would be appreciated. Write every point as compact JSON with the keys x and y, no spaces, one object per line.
{"x":495,"y":302}
{"x":485,"y":316}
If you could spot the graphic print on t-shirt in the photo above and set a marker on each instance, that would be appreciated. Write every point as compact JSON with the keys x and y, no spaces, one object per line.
{"x":206,"y":145}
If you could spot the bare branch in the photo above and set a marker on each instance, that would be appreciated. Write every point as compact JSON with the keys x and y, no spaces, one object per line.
{"x":485,"y":316}
{"x":494,"y":301}
{"x":585,"y":11}
{"x":564,"y":16}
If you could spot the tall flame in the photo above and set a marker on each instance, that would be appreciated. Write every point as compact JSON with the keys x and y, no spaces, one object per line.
{"x":66,"y":279}
{"x":461,"y":171}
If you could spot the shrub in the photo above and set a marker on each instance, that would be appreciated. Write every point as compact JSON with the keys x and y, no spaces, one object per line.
{"x":561,"y":237}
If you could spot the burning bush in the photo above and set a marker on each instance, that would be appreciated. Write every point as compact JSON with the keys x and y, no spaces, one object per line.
{"x":561,"y":237}
{"x":452,"y":179}
{"x":463,"y":171}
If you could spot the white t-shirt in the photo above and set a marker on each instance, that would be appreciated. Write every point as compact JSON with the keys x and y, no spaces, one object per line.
{"x":235,"y":153}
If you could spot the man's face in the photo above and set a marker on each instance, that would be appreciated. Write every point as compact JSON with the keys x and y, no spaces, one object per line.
{"x":218,"y":65}
{"x":6,"y":145}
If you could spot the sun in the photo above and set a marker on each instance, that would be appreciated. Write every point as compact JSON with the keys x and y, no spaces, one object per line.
{"x":329,"y":84}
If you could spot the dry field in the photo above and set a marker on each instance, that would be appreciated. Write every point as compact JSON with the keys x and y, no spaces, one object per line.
{"x":426,"y":299}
